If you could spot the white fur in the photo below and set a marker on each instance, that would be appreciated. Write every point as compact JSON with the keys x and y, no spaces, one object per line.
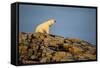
{"x":44,"y":27}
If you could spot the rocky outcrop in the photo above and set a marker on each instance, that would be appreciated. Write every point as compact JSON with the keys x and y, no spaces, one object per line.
{"x":45,"y":48}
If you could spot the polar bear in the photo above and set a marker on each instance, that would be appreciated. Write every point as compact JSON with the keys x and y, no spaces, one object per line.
{"x":44,"y":27}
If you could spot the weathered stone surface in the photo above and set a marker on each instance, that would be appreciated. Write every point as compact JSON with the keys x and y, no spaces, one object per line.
{"x":42,"y":48}
{"x":59,"y":56}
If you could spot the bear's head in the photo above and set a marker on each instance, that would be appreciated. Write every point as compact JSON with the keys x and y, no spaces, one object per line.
{"x":51,"y":21}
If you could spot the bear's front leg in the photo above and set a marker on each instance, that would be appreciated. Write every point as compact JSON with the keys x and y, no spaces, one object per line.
{"x":47,"y":31}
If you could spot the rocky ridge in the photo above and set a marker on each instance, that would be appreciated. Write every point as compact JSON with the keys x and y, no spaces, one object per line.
{"x":45,"y":48}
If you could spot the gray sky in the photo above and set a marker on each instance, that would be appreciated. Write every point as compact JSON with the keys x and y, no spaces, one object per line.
{"x":70,"y":22}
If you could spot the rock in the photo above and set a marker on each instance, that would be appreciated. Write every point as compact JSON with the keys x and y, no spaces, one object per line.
{"x":30,"y":52}
{"x":22,"y":49}
{"x":74,"y":40}
{"x":44,"y":48}
{"x":79,"y":57}
{"x":69,"y":57}
{"x":59,"y":56}
{"x":67,"y":41}
{"x":43,"y":60}
{"x":22,"y":37}
{"x":75,"y":50}
{"x":29,"y":62}
{"x":33,"y":57}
